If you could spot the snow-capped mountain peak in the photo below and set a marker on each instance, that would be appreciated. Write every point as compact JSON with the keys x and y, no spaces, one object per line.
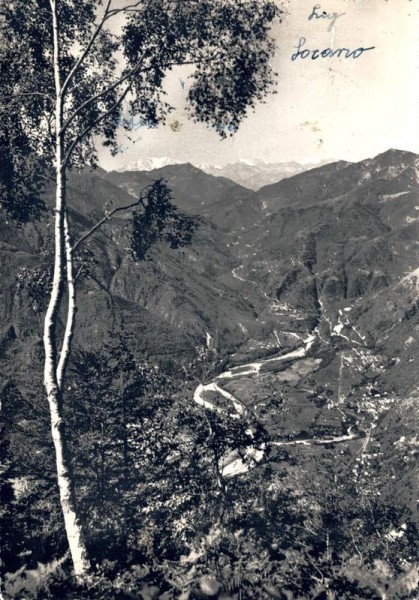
{"x":149,"y":164}
{"x":250,"y":173}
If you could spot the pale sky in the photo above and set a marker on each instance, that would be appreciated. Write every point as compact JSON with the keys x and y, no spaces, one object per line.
{"x":324,"y":109}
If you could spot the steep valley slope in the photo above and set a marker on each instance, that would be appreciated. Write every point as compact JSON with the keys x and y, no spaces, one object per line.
{"x":330,"y":254}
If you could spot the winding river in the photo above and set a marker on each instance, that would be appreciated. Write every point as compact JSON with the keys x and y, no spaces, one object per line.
{"x":232,"y":464}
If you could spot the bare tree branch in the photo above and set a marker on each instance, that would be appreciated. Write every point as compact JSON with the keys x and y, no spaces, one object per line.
{"x":129,"y":8}
{"x":138,"y":202}
{"x":110,"y":88}
{"x":86,"y":50}
{"x":13,"y":97}
{"x":193,"y":61}
{"x":91,"y":126}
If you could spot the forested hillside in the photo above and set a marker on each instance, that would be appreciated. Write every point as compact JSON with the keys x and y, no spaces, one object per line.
{"x":242,"y":406}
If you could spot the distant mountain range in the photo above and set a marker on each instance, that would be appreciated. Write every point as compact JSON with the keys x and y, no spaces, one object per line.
{"x":331,"y":252}
{"x":255,"y":174}
{"x":149,"y":164}
{"x":252,"y":174}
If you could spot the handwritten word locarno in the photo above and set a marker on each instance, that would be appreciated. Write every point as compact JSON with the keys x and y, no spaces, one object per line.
{"x":327,"y":52}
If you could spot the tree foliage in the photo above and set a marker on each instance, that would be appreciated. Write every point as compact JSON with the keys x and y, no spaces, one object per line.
{"x":67,"y":80}
{"x":131,"y":427}
{"x":23,"y":175}
{"x":227,"y":45}
{"x":158,"y":219}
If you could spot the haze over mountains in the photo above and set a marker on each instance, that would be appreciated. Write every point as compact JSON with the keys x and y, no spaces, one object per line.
{"x":330,"y":254}
{"x":252,"y":174}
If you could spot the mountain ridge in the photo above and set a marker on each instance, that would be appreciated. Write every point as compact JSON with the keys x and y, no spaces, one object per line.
{"x":330,"y":253}
{"x":251,"y":174}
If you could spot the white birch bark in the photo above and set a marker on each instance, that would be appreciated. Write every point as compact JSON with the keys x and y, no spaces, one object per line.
{"x":53,"y":376}
{"x":72,"y":306}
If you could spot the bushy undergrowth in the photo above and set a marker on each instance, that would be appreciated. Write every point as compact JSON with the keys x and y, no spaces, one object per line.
{"x":161,"y":521}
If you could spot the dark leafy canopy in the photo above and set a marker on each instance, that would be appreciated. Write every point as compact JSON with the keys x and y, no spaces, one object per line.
{"x":160,"y":220}
{"x":226,"y":40}
{"x":22,"y":173}
{"x":22,"y":176}
{"x":26,"y":65}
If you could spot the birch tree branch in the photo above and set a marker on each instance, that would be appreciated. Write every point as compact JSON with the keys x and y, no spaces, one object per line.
{"x":95,"y":227}
{"x":128,"y":8}
{"x":102,"y":117}
{"x":110,"y":88}
{"x":86,"y":50}
{"x":20,"y":94}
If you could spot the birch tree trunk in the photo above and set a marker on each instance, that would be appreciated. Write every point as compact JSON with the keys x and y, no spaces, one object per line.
{"x":55,"y":393}
{"x":54,"y":370}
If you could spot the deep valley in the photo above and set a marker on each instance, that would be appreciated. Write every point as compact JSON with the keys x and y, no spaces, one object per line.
{"x":293,"y":314}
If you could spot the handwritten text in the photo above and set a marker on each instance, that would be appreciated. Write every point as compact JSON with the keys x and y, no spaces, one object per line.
{"x":327,"y":52}
{"x":318,"y":13}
